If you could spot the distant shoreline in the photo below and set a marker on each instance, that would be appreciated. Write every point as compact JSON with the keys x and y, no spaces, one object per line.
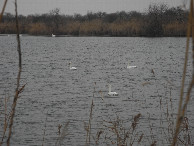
{"x":159,"y":21}
{"x":7,"y":35}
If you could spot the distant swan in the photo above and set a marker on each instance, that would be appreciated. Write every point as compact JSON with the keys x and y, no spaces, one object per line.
{"x":110,"y":93}
{"x":130,"y":66}
{"x":72,"y":68}
{"x":53,"y":35}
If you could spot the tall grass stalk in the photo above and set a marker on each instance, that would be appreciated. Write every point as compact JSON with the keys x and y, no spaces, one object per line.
{"x":18,"y":89}
{"x":62,"y":134}
{"x":3,"y":9}
{"x":118,"y":134}
{"x":43,"y":139}
{"x":88,"y":128}
{"x":182,"y":108}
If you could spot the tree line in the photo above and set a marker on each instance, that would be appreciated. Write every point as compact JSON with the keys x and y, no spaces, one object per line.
{"x":158,"y":20}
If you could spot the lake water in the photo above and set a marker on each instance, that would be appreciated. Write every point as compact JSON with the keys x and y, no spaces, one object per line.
{"x":55,"y":95}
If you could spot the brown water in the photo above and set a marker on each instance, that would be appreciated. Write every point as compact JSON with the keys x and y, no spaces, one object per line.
{"x":60,"y":94}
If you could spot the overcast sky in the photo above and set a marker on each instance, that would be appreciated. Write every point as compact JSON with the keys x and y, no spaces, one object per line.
{"x":71,"y":7}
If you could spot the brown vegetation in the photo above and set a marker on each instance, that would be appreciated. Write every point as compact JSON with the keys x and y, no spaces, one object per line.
{"x":158,"y":21}
{"x":183,"y":104}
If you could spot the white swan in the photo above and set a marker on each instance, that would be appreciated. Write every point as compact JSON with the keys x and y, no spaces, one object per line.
{"x":72,"y":68}
{"x":53,"y":35}
{"x":110,"y":93}
{"x":130,"y":66}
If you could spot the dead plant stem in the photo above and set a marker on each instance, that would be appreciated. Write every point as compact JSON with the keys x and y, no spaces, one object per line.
{"x":17,"y":92}
{"x":181,"y":110}
{"x":3,"y":9}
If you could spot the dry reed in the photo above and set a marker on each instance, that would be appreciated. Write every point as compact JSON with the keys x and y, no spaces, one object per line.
{"x":62,"y":134}
{"x":99,"y":133}
{"x":182,"y":108}
{"x":3,"y":9}
{"x":44,"y":130}
{"x":166,"y":110}
{"x":120,"y":135}
{"x":88,"y":128}
{"x":18,"y":89}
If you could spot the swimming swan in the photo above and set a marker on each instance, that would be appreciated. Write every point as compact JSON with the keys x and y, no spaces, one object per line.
{"x":110,"y":93}
{"x":53,"y":35}
{"x":72,"y":68}
{"x":129,"y":66}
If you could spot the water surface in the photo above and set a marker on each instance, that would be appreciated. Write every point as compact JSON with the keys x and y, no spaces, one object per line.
{"x":54,"y":94}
